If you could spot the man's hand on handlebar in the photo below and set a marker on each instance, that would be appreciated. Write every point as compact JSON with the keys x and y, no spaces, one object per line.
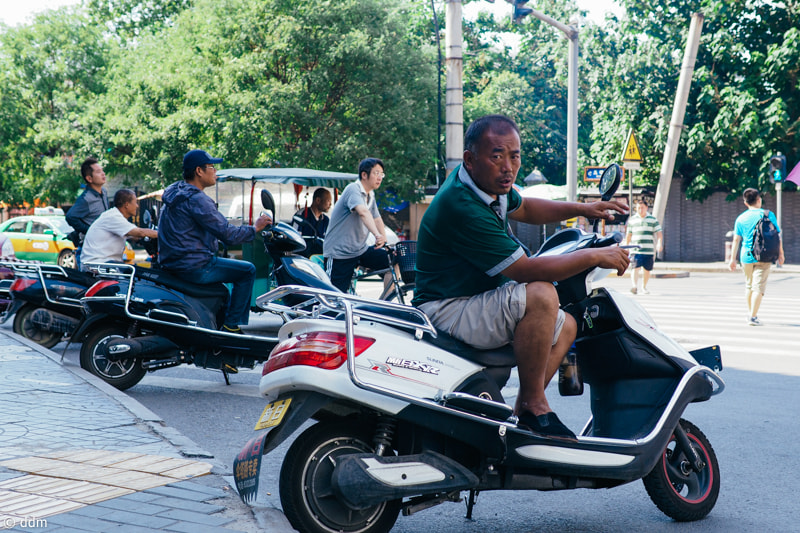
{"x":604,"y":210}
{"x":262,"y":222}
{"x":380,"y":240}
{"x":613,"y":257}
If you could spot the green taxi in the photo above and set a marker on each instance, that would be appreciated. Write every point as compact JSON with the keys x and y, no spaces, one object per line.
{"x":41,"y":238}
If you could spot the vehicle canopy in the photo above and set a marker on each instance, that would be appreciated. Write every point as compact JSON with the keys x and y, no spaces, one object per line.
{"x":272,"y":179}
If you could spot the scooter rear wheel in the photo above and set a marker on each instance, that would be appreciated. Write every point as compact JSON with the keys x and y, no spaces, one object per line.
{"x":676,"y":488}
{"x":25,"y":327}
{"x":122,"y":374}
{"x":306,"y":490}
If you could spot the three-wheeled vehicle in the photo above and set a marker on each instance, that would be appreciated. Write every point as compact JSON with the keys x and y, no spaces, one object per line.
{"x":237,"y":195}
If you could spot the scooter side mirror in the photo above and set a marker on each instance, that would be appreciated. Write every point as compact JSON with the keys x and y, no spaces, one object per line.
{"x":267,"y":202}
{"x":147,"y":218}
{"x":609,"y":181}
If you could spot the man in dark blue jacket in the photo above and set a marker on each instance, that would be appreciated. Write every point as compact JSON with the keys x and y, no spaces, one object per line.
{"x":188,"y":232}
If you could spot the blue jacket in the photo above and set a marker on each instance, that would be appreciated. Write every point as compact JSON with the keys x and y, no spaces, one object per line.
{"x":190,"y":226}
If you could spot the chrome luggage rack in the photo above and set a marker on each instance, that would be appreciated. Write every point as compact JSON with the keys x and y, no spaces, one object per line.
{"x":354,"y":307}
{"x":37,"y":270}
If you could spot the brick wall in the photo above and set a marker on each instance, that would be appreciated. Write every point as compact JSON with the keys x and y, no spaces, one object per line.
{"x":695,"y":231}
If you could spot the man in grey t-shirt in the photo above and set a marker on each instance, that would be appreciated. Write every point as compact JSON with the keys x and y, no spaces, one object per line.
{"x":354,"y":217}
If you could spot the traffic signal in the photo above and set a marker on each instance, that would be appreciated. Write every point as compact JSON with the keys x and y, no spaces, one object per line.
{"x":777,"y":168}
{"x":520,"y":11}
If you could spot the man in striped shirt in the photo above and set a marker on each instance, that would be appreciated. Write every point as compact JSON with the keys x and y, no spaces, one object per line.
{"x":643,"y":231}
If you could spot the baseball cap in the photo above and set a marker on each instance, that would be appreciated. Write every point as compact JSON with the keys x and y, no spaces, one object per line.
{"x":198,"y":158}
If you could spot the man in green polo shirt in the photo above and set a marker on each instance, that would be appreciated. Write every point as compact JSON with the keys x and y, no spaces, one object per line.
{"x":477,"y":284}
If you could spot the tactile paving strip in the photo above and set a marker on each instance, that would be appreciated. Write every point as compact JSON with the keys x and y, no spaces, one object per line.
{"x":64,"y":481}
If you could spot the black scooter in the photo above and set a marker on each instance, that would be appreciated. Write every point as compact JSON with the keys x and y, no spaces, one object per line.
{"x":145,"y":319}
{"x":45,"y":301}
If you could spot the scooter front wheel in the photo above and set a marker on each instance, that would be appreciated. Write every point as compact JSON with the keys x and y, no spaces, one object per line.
{"x":23,"y":325}
{"x":676,"y":488}
{"x":306,"y":490}
{"x":122,"y":374}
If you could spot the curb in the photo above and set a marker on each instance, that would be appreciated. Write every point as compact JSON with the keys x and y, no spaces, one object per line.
{"x":185,"y":446}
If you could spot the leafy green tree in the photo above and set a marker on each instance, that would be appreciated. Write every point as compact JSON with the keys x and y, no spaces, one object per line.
{"x":277,"y":83}
{"x":130,"y":19}
{"x":529,"y":84}
{"x":743,"y":105}
{"x":50,"y":72}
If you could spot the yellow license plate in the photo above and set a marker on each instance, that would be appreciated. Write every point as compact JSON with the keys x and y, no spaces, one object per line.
{"x":273,"y":414}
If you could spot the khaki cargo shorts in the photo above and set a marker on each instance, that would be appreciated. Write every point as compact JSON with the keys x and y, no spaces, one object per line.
{"x":486,"y":320}
{"x":755,"y":276}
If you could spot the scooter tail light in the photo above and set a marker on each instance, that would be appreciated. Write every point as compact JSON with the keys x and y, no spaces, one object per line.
{"x":20,"y":284}
{"x":100,"y":286}
{"x":322,"y":349}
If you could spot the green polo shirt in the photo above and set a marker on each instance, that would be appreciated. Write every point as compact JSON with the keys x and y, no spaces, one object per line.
{"x":463,"y":246}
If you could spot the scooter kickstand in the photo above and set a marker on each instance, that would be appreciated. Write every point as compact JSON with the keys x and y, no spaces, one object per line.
{"x":473,"y":496}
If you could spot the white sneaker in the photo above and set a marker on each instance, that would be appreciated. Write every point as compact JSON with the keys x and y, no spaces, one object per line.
{"x":645,"y":291}
{"x":754,"y":321}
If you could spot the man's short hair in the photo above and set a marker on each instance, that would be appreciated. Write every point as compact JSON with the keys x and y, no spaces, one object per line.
{"x":642,"y":201}
{"x":86,"y":167}
{"x":322,"y":193}
{"x":500,"y":124}
{"x":123,"y":196}
{"x":751,"y":196}
{"x":366,"y":165}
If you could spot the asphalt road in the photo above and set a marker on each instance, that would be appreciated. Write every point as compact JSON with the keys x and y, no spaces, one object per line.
{"x":752,"y":425}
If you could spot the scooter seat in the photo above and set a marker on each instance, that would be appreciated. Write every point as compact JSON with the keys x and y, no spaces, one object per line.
{"x":162,"y":277}
{"x":86,"y":279}
{"x":496,"y":357}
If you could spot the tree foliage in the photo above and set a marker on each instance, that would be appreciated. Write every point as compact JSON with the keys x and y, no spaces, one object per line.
{"x":277,"y":83}
{"x":743,"y":105}
{"x":51,"y":71}
{"x":130,"y":19}
{"x":324,"y":84}
{"x":259,"y":82}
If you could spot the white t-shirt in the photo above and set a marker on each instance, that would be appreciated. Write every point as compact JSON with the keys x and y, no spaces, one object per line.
{"x":105,"y":239}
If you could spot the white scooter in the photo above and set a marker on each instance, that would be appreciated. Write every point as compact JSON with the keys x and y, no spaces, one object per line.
{"x":407,"y":419}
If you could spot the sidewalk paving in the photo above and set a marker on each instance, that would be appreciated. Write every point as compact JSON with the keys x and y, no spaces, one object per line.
{"x":78,"y":455}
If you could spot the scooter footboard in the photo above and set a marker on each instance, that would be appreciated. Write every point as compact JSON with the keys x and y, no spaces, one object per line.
{"x":635,"y":409}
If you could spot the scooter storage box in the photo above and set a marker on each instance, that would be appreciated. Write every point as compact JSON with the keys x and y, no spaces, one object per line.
{"x":620,"y":354}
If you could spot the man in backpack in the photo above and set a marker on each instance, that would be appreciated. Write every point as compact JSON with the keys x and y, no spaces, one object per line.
{"x":755,"y":272}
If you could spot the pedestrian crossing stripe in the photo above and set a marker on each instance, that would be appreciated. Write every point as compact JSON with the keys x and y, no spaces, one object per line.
{"x":632,"y":153}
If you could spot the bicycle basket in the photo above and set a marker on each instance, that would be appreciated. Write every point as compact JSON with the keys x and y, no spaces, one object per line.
{"x":407,"y":259}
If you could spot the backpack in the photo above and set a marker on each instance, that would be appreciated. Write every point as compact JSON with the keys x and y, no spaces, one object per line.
{"x":766,"y":240}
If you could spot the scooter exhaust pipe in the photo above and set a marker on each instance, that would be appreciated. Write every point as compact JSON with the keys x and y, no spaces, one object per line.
{"x":364,"y":480}
{"x":150,"y":347}
{"x":54,"y":322}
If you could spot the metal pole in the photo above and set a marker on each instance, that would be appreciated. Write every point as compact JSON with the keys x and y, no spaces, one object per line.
{"x":571,"y":32}
{"x":454,"y":98}
{"x":438,"y":95}
{"x":779,"y":209}
{"x":572,"y":120}
{"x":630,"y":189}
{"x":678,"y":113}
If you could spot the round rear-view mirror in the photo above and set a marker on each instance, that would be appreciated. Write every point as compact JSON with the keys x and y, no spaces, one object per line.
{"x":609,"y":181}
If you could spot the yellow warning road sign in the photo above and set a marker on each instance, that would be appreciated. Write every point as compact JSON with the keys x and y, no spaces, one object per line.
{"x":632,"y":152}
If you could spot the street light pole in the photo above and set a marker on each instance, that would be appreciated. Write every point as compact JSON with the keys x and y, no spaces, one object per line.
{"x":571,"y":32}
